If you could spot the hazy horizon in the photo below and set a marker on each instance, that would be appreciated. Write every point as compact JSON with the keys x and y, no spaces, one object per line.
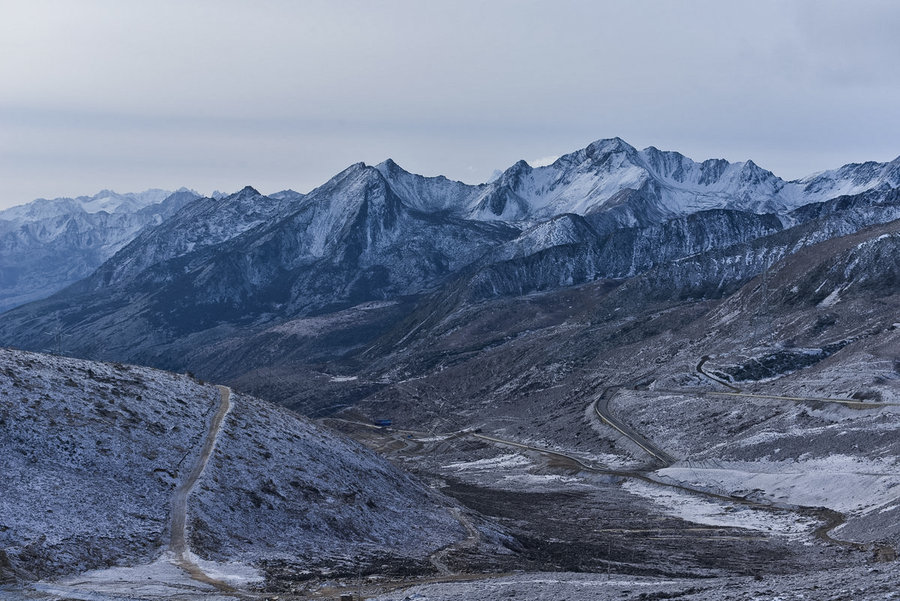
{"x":219,"y":95}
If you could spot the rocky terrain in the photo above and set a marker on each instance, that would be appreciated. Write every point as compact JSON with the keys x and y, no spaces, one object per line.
{"x":233,"y":266}
{"x":94,"y":452}
{"x":624,"y":374}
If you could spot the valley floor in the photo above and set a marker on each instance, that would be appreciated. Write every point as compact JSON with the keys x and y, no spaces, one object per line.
{"x":624,"y":500}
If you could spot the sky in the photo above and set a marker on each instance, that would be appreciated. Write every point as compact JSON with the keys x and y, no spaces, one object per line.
{"x":216,"y":95}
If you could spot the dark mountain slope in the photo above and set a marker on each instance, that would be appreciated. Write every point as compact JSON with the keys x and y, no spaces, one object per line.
{"x":350,"y":241}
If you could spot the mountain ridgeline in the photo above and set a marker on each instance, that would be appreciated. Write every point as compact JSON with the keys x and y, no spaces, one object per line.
{"x":48,"y":244}
{"x":217,"y":270}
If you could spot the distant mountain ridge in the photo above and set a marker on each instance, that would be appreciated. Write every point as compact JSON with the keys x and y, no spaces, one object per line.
{"x":611,"y":173}
{"x":608,"y":211}
{"x":46,"y":245}
{"x":105,"y":200}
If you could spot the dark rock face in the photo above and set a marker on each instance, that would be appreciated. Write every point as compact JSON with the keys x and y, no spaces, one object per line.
{"x":623,"y":253}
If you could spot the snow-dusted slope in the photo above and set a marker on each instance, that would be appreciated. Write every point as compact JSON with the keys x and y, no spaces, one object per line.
{"x":91,"y":454}
{"x":660,"y":184}
{"x":854,"y":178}
{"x":203,"y":223}
{"x":429,"y":194}
{"x":280,"y":487}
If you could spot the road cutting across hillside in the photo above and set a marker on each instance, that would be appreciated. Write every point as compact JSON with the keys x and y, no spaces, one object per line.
{"x":828,"y":519}
{"x":601,"y":408}
{"x":178,"y":545}
{"x":735,"y":391}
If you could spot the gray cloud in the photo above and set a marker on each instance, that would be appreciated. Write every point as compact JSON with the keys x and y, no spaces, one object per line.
{"x":280,"y":94}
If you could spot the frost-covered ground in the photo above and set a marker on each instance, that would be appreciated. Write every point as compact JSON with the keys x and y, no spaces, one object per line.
{"x":160,"y":580}
{"x":712,"y":512}
{"x":866,"y":584}
{"x":91,"y":454}
{"x":280,"y":487}
{"x":811,"y":454}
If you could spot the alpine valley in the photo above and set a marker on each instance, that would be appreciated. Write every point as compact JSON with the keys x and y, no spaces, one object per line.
{"x":651,"y":377}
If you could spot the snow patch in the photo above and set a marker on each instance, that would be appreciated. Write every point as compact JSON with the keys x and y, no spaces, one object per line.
{"x":492,"y":463}
{"x":840,"y":482}
{"x":831,"y":299}
{"x":701,"y":510}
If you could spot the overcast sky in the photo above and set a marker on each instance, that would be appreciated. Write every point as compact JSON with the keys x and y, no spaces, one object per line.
{"x":284,"y":94}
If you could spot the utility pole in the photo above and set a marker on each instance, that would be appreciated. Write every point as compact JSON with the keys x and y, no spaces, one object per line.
{"x":765,"y":289}
{"x":762,"y":326}
{"x":608,"y":559}
{"x":57,"y":336}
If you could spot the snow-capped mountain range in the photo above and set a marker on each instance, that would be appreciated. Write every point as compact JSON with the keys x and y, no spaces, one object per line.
{"x":106,"y":200}
{"x":607,"y":211}
{"x":608,"y":173}
{"x":46,"y":245}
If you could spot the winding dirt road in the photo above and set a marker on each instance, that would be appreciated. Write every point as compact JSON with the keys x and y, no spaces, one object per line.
{"x":601,"y":408}
{"x":438,"y":558}
{"x":178,"y":545}
{"x":735,"y":391}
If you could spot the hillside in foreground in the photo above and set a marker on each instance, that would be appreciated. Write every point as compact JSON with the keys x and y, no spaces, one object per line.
{"x":94,"y":455}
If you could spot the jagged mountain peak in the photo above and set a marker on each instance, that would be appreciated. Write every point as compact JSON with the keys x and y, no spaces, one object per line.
{"x":389,"y":165}
{"x":517,"y":170}
{"x":390,"y":169}
{"x":287,"y":195}
{"x":247,"y":191}
{"x":608,"y":145}
{"x":754,"y":172}
{"x":597,"y":153}
{"x":850,"y":179}
{"x":352,"y":171}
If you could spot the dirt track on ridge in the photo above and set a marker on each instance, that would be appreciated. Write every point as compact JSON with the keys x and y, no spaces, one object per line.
{"x":178,"y":541}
